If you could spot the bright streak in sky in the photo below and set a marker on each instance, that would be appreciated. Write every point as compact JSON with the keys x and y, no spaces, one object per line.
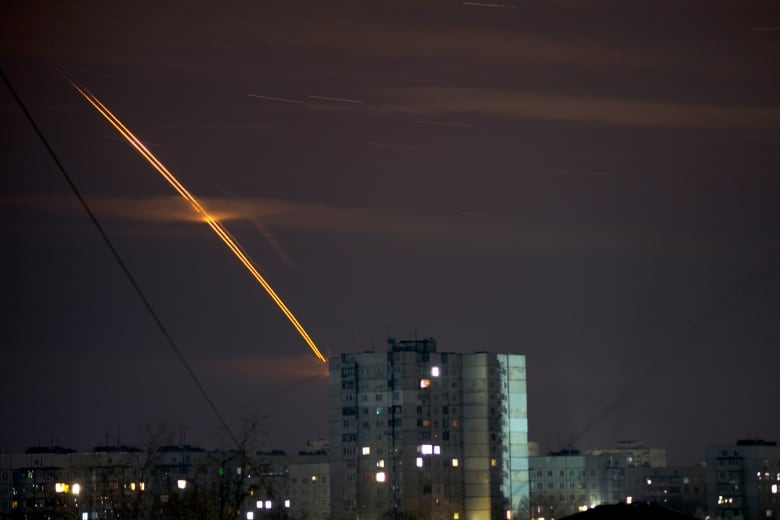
{"x":212,"y":222}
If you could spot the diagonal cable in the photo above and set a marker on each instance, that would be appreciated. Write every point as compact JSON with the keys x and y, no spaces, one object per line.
{"x":118,"y":258}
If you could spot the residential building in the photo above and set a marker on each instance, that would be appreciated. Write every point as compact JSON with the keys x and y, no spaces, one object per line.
{"x":743,"y":480}
{"x":566,"y":482}
{"x":418,"y":433}
{"x":679,"y":488}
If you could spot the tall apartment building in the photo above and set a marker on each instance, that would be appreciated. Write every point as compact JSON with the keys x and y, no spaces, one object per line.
{"x":743,"y":480}
{"x":417,"y":433}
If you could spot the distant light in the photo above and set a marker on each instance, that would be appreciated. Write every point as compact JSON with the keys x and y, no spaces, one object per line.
{"x":380,"y":463}
{"x":380,"y":476}
{"x":437,"y":450}
{"x":250,"y":515}
{"x":425,"y":383}
{"x":268,"y":504}
{"x":419,"y":462}
{"x":629,"y":500}
{"x":455,"y":463}
{"x":142,"y":485}
{"x":314,"y":478}
{"x":259,"y":504}
{"x":366,"y":450}
{"x":426,"y":449}
{"x":582,"y":508}
{"x":84,"y":516}
{"x":287,"y":503}
{"x":435,"y":371}
{"x":649,"y":482}
{"x":181,"y":484}
{"x":59,"y":487}
{"x":75,"y":489}
{"x":132,"y":486}
{"x":508,"y":514}
{"x":774,"y":489}
{"x":455,"y":516}
{"x":493,"y":463}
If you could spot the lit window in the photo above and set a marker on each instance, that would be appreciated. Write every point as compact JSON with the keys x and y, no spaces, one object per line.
{"x":75,"y":489}
{"x":774,"y":489}
{"x":455,"y":463}
{"x":287,"y":503}
{"x":181,"y":484}
{"x":419,"y":462}
{"x":425,"y":383}
{"x":259,"y":504}
{"x":142,"y":485}
{"x":132,"y":486}
{"x":380,"y":463}
{"x":455,"y":516}
{"x":366,"y":450}
{"x":437,"y":450}
{"x":426,"y":449}
{"x":250,"y":515}
{"x":268,"y":504}
{"x":435,"y":371}
{"x":380,"y":476}
{"x":629,"y":500}
{"x":508,"y":514}
{"x":59,"y":487}
{"x":493,"y":463}
{"x":84,"y":516}
{"x":379,"y":410}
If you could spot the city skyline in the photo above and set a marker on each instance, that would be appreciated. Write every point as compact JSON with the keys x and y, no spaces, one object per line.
{"x":588,"y":184}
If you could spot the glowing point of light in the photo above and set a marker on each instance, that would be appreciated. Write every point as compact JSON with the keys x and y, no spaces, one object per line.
{"x":774,"y":489}
{"x":181,"y":484}
{"x":380,"y":476}
{"x":435,"y":371}
{"x":210,"y":220}
{"x":75,"y":489}
{"x":287,"y":503}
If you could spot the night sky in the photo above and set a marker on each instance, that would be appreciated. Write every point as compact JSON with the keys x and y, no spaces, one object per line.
{"x":591,"y":183}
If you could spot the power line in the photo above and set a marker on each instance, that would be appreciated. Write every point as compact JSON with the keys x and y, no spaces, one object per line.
{"x":118,"y":258}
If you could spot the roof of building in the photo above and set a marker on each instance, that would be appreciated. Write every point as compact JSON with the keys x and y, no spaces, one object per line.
{"x":629,"y":511}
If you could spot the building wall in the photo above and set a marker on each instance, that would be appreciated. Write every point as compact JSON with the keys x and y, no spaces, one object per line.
{"x":450,"y":440}
{"x":743,"y":480}
{"x":680,"y":488}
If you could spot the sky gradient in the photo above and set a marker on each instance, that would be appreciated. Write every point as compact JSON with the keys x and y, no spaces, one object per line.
{"x":590,"y":183}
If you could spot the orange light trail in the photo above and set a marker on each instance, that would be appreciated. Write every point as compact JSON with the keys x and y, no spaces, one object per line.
{"x":212,"y":222}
